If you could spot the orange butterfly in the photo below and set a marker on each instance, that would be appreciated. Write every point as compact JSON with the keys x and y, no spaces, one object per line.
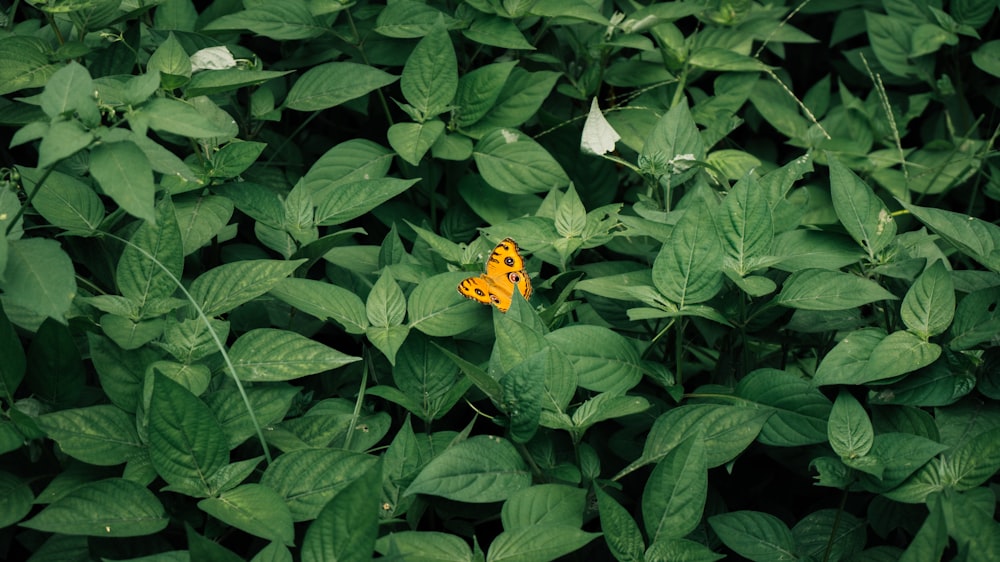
{"x":504,"y":272}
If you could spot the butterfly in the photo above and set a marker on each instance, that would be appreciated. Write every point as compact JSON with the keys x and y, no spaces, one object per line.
{"x":504,"y":272}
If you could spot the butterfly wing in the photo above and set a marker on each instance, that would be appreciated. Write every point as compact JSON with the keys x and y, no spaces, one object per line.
{"x":504,"y":271}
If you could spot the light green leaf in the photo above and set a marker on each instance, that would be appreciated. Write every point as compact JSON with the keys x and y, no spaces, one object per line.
{"x":519,"y":100}
{"x":615,"y":365}
{"x":106,"y":508}
{"x":688,"y":269}
{"x":151,"y":266}
{"x":346,"y":528}
{"x":309,"y":478}
{"x":424,"y":546}
{"x":331,"y":84}
{"x":102,"y":435}
{"x":266,"y":354}
{"x":71,"y":90}
{"x":481,"y":469}
{"x":755,"y":535}
{"x":65,"y":201}
{"x":288,"y":20}
{"x":437,"y":309}
{"x":124,"y":173}
{"x":61,"y":140}
{"x":409,"y":19}
{"x":180,"y":118}
{"x":225,"y":287}
{"x":862,"y":213}
{"x":620,"y":531}
{"x":412,"y":140}
{"x":818,"y":289}
{"x":172,"y":63}
{"x":497,"y":32}
{"x":255,"y":509}
{"x":478,"y":91}
{"x":675,"y":493}
{"x":187,"y":445}
{"x":430,"y":76}
{"x":512,"y":162}
{"x":800,"y":409}
{"x":348,"y":201}
{"x":929,"y":306}
{"x":850,"y":431}
{"x":26,"y":63}
{"x":39,"y":277}
{"x":974,"y":237}
{"x":324,"y":301}
{"x":548,"y":541}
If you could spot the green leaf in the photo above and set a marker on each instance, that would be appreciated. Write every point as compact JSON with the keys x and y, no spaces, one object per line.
{"x":211,"y":82}
{"x":746,"y":226}
{"x":171,"y":62}
{"x":987,"y":56}
{"x":324,"y":301}
{"x":286,"y":21}
{"x":519,"y":100}
{"x":331,"y":84}
{"x":620,"y":531}
{"x":715,"y":58}
{"x":62,"y":139}
{"x":17,"y":499}
{"x":347,"y":201}
{"x":150,"y":267}
{"x":800,"y":410}
{"x":65,"y":201}
{"x":120,"y":371}
{"x":616,"y":364}
{"x":234,"y":158}
{"x":900,"y":352}
{"x":850,"y":431}
{"x":124,"y":173}
{"x":436,"y":309}
{"x":672,"y":146}
{"x":930,"y":539}
{"x":269,"y":403}
{"x":755,"y":535}
{"x":890,"y":39}
{"x":543,"y":504}
{"x":102,"y":435}
{"x":522,"y":388}
{"x":675,"y":493}
{"x":818,"y":289}
{"x":496,"y":32}
{"x":309,"y":478}
{"x":348,"y":162}
{"x":412,"y":140}
{"x":977,"y":319}
{"x":929,"y":306}
{"x":976,"y":238}
{"x":56,"y":370}
{"x":39,"y":277}
{"x":478,"y":91}
{"x":180,"y":118}
{"x":423,"y":546}
{"x":266,"y":354}
{"x":512,"y":162}
{"x":727,"y":431}
{"x":346,"y":528}
{"x":187,"y":445}
{"x":106,"y":508}
{"x":688,"y":268}
{"x":255,"y":509}
{"x":70,"y":90}
{"x":862,"y":213}
{"x":26,"y":63}
{"x":481,"y":469}
{"x":430,"y":76}
{"x":681,"y":549}
{"x":223,"y":288}
{"x":200,"y":219}
{"x":547,"y":541}
{"x":409,"y":19}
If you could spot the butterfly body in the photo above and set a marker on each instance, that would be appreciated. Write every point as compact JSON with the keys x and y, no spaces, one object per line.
{"x":505,"y":273}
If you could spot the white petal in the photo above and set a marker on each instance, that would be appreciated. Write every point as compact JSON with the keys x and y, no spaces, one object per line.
{"x":212,"y":58}
{"x":599,"y":137}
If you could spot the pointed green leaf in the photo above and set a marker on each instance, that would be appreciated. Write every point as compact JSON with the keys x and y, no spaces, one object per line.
{"x":102,"y":435}
{"x":929,"y":305}
{"x":512,"y":162}
{"x":266,"y":354}
{"x":850,"y":430}
{"x":688,"y":269}
{"x":818,"y":289}
{"x":324,"y":301}
{"x":412,"y":140}
{"x":675,"y":493}
{"x":255,"y":509}
{"x":187,"y":445}
{"x":151,"y":266}
{"x":620,"y":531}
{"x":65,"y":201}
{"x":480,"y":469}
{"x":309,"y":478}
{"x":430,"y":76}
{"x":124,"y":173}
{"x":755,"y":535}
{"x":746,"y":225}
{"x":548,"y":541}
{"x":862,"y":213}
{"x":106,"y":508}
{"x":346,"y":528}
{"x":348,"y":201}
{"x":223,"y":288}
{"x":331,"y":84}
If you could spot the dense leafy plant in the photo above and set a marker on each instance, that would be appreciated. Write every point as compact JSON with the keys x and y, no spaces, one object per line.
{"x":766,"y":280}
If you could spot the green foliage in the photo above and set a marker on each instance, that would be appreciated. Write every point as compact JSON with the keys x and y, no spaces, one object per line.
{"x":764,"y":255}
